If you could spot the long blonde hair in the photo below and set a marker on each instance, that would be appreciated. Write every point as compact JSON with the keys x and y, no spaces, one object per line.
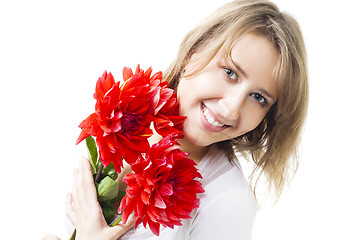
{"x":273,"y":144}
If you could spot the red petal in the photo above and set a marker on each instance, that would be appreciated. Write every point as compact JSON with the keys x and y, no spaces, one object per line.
{"x":115,"y":126}
{"x":86,"y":126}
{"x":84,"y":134}
{"x":166,"y":189}
{"x":138,"y":69}
{"x":162,"y":121}
{"x":147,"y":74}
{"x":145,"y":198}
{"x":158,"y":202}
{"x":111,"y":142}
{"x":156,"y":76}
{"x":88,"y":121}
{"x":127,"y":73}
{"x":109,"y":81}
{"x":155,"y":227}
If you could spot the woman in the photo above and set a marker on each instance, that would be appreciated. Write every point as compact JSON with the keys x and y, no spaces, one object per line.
{"x":241,"y":80}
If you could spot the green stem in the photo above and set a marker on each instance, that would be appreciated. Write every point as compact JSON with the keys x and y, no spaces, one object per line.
{"x":116,"y":221}
{"x":98,"y":174}
{"x":73,"y":235}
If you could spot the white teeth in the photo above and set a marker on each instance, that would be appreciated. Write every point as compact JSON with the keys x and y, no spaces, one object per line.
{"x":210,"y":118}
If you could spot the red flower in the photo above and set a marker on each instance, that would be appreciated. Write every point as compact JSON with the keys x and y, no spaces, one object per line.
{"x":123,"y":113}
{"x":165,"y":106}
{"x":162,"y":188}
{"x":167,"y":120}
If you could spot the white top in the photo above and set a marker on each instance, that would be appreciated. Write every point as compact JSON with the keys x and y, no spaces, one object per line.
{"x":227,"y":208}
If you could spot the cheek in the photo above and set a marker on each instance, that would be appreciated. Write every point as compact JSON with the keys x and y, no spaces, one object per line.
{"x":180,"y":91}
{"x":184,"y":97}
{"x":252,"y":119}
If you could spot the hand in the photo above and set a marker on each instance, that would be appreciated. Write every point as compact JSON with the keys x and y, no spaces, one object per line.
{"x":84,"y":210}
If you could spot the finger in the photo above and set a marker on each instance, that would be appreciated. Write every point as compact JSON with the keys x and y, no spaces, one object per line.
{"x":87,"y":168}
{"x":87,"y":182}
{"x":75,"y":190}
{"x":70,"y":211}
{"x":84,"y":191}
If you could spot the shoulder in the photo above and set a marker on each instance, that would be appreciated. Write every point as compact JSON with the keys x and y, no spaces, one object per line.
{"x":227,"y":208}
{"x":228,"y":193}
{"x":230,"y":215}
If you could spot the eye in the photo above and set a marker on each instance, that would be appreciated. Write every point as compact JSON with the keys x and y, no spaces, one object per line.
{"x":259,"y":98}
{"x":231,"y":74}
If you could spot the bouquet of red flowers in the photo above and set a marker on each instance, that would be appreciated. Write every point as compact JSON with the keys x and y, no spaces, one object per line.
{"x":163,"y":186}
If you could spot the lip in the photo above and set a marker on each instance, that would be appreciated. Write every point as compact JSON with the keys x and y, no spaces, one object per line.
{"x":208,"y":126}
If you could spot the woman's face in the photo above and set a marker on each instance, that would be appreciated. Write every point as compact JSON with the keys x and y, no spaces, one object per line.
{"x":229,"y":97}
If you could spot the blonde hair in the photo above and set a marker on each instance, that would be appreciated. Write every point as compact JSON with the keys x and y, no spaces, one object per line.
{"x":273,"y":144}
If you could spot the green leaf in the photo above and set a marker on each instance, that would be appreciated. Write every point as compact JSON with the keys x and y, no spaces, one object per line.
{"x":107,"y":189}
{"x":110,"y":171}
{"x":93,"y":153}
{"x":119,"y":197}
{"x":108,"y":211}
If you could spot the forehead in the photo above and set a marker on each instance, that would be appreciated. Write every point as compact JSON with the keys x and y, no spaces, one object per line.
{"x":256,"y":56}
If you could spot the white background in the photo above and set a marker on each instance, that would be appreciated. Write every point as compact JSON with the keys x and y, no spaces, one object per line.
{"x":52,"y":52}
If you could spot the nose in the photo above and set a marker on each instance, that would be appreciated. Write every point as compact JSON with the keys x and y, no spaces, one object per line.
{"x":231,"y":105}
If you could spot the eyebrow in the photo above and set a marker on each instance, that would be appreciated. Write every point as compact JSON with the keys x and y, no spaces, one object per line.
{"x":266,"y":93}
{"x":238,"y":68}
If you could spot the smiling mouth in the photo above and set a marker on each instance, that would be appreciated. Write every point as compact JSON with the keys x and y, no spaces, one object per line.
{"x":210,"y":118}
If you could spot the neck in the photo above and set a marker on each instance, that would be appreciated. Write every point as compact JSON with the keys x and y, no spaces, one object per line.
{"x":196,"y":153}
